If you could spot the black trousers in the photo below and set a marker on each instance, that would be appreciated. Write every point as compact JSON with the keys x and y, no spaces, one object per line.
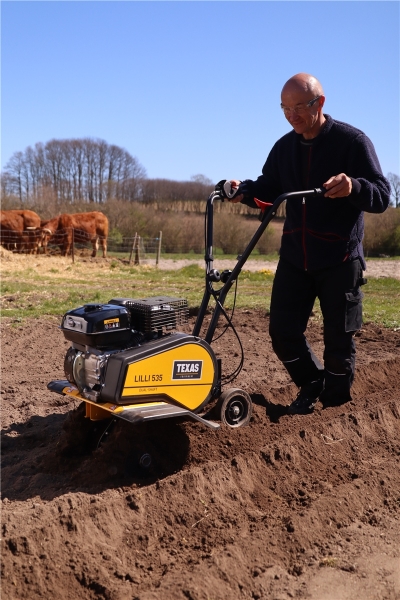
{"x":293,"y":296}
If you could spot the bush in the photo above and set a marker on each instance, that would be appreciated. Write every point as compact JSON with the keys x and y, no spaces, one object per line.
{"x":233,"y":232}
{"x":382,"y":233}
{"x":115,"y":236}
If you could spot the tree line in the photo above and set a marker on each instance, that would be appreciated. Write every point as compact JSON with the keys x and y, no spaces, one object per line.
{"x":75,"y":170}
{"x":88,"y":170}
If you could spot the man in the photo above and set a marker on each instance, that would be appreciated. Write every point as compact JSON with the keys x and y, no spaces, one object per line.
{"x":321,"y":252}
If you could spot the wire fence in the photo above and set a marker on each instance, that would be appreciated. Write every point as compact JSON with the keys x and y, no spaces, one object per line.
{"x":22,"y":242}
{"x":137,"y":249}
{"x":75,"y":242}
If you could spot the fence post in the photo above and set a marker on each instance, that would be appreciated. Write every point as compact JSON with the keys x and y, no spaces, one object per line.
{"x":137,"y":257}
{"x":159,"y":248}
{"x":132,"y":249}
{"x":72,"y":249}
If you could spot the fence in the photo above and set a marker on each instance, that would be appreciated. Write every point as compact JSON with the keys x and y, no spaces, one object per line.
{"x":72,"y":242}
{"x":137,"y":250}
{"x":140,"y":250}
{"x":22,"y":242}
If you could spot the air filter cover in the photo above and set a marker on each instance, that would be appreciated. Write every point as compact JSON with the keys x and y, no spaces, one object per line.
{"x":155,"y":314}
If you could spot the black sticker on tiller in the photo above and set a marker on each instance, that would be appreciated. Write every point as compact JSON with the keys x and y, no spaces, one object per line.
{"x":187,"y":369}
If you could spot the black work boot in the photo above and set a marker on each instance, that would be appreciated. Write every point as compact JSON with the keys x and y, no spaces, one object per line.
{"x":307,"y":398}
{"x":330,"y":400}
{"x":336,"y":390}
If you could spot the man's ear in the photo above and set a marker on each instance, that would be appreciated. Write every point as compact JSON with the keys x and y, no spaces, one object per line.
{"x":321,"y":101}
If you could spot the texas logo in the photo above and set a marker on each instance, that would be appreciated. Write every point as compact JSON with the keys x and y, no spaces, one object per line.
{"x":187,"y":369}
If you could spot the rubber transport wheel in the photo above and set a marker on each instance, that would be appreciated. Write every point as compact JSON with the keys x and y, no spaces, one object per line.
{"x":235,"y":407}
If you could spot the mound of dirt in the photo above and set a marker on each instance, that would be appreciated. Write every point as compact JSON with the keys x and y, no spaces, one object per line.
{"x":288,"y":507}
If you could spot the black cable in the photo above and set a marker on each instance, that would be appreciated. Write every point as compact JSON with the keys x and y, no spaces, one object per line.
{"x":233,"y":311}
{"x":232,"y":376}
{"x":214,"y":293}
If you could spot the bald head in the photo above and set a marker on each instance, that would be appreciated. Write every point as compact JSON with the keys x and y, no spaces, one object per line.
{"x":303,"y":82}
{"x":302,"y":100}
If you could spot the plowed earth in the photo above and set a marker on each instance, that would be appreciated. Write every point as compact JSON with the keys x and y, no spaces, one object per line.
{"x":288,"y":507}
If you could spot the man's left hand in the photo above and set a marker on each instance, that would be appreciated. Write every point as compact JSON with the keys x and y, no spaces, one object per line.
{"x":338,"y":186}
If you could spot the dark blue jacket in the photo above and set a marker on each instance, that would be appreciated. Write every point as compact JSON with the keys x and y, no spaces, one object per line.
{"x":322,"y":232}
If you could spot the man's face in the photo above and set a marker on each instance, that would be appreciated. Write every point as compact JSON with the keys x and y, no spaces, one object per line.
{"x":304,"y":119}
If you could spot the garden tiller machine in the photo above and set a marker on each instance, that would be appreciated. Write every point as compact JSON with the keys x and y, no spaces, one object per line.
{"x":129,"y":360}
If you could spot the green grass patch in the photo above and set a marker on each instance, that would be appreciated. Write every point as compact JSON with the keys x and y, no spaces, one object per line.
{"x":255,"y":255}
{"x":33,"y":293}
{"x":382,"y":301}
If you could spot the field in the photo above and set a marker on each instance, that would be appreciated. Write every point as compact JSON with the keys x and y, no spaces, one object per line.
{"x":288,"y":507}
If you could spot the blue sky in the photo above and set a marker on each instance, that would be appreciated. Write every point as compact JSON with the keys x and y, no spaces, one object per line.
{"x":194,"y":87}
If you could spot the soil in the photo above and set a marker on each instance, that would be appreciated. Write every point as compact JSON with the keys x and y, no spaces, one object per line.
{"x":286,"y":507}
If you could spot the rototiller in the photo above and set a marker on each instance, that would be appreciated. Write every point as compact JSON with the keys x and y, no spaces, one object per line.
{"x":128,"y":359}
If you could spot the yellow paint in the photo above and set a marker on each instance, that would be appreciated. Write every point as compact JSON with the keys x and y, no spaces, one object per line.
{"x":107,"y":406}
{"x":154,"y":376}
{"x":95,"y":413}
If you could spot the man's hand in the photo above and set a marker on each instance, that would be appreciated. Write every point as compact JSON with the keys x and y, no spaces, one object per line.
{"x":338,"y":186}
{"x":239,"y":198}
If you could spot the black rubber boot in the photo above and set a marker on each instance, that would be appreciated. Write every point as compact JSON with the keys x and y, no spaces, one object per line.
{"x":307,"y":398}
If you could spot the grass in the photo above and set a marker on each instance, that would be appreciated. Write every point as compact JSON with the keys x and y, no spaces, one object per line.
{"x":30,"y":289}
{"x":381,"y":303}
{"x":273,"y":256}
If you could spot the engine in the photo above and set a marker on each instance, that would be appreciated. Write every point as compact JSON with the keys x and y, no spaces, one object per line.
{"x":100,"y":332}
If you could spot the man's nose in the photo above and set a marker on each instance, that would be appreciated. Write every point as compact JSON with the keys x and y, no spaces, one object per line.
{"x":292,"y":116}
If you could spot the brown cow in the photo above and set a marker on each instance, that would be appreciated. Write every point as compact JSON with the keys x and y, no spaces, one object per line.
{"x":20,"y":230}
{"x":77,"y":228}
{"x":49,"y":235}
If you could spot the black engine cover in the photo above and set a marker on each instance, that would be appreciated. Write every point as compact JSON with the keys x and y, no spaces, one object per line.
{"x":97,"y":325}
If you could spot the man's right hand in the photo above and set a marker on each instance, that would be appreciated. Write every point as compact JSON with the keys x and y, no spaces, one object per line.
{"x":235,"y":183}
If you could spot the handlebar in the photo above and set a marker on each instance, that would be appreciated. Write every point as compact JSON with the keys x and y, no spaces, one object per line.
{"x":218,"y":193}
{"x":228,"y":277}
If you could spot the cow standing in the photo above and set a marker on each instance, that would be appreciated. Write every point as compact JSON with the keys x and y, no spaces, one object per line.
{"x":20,"y":230}
{"x":77,"y":228}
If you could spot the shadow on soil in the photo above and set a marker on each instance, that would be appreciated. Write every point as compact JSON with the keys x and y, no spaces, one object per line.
{"x":60,"y":453}
{"x":273,"y":411}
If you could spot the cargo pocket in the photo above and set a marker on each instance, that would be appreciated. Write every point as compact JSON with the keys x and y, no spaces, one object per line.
{"x":353,"y":316}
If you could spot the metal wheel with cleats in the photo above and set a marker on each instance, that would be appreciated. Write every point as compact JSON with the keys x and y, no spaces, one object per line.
{"x":235,"y":407}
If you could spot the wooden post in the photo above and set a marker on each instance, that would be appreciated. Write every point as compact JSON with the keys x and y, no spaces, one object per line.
{"x":137,"y":257}
{"x":72,"y":249}
{"x":132,"y":249}
{"x":159,"y":248}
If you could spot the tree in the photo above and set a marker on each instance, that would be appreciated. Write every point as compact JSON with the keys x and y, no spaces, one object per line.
{"x":394,"y":181}
{"x":76,"y":170}
{"x":201,"y":179}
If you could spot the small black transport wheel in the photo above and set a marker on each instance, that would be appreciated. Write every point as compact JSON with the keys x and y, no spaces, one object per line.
{"x":235,"y":407}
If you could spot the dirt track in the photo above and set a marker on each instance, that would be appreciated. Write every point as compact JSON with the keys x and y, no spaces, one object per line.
{"x":375,"y":268}
{"x":289,"y":507}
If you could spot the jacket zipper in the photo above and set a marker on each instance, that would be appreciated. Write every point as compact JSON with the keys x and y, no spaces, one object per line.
{"x":304,"y":233}
{"x":304,"y":211}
